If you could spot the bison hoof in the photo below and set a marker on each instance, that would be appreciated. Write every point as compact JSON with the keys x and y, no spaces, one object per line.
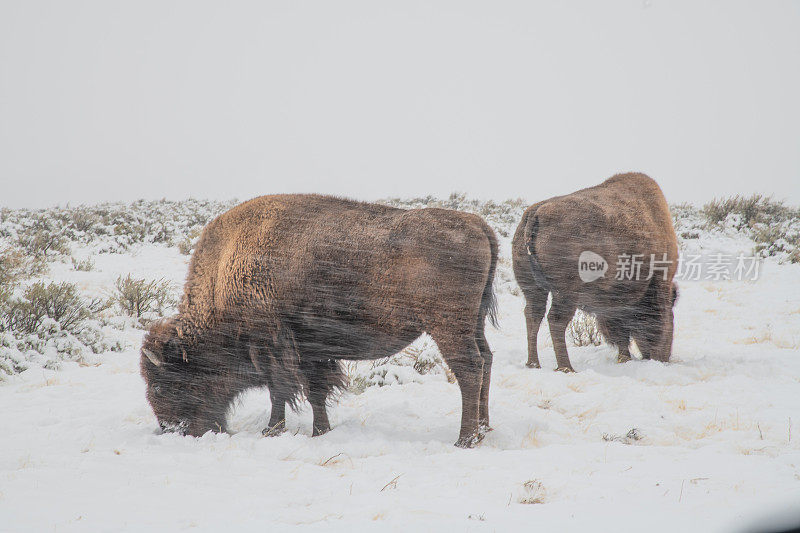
{"x":566,"y":369}
{"x":320,"y":431}
{"x":275,"y":429}
{"x":470,"y":441}
{"x":532,"y":364}
{"x":623,"y":358}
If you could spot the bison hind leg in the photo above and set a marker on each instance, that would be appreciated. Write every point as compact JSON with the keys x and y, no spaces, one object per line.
{"x":561,"y":312}
{"x":461,"y":353}
{"x":483,"y":406}
{"x":535,"y":309}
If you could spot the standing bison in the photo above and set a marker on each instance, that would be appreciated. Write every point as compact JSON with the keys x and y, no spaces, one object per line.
{"x":281,"y":288}
{"x":610,"y":250}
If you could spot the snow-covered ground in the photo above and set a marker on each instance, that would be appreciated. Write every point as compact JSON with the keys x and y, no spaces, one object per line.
{"x":708,"y":442}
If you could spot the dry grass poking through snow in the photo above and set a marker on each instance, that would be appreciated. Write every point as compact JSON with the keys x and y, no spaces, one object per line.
{"x":533,"y":492}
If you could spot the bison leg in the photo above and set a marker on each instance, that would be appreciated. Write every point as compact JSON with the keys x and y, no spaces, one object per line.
{"x":535,"y":308}
{"x":560,"y":315}
{"x":277,"y":417}
{"x":317,"y":374}
{"x":464,"y":358}
{"x":483,"y":406}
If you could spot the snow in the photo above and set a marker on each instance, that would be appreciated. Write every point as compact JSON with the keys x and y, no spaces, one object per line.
{"x":708,"y":442}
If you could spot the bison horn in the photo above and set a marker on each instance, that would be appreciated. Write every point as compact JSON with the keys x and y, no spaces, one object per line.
{"x":153,"y":358}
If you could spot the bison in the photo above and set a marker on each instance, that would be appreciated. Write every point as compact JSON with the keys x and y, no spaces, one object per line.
{"x":610,"y":250}
{"x":282,"y":288}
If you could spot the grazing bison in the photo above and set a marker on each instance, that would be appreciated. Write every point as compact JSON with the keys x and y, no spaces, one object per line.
{"x":610,"y":250}
{"x":281,"y":288}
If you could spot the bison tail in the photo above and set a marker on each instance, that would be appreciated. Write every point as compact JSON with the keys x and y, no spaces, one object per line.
{"x":536,"y":269}
{"x":489,"y":299}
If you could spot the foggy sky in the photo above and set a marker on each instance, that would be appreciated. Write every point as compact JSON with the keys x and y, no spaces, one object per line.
{"x":107,"y":100}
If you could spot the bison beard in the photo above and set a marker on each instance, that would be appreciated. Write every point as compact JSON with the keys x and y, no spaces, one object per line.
{"x":281,"y":288}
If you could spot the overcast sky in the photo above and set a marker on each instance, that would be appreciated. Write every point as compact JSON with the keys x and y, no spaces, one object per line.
{"x":107,"y":100}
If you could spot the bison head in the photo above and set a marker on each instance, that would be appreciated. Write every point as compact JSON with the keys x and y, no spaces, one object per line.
{"x":179,"y":390}
{"x":655,"y":329}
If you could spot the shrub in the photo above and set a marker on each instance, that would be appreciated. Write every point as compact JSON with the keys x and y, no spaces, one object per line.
{"x":583,"y":330}
{"x":408,"y":366}
{"x":11,"y":361}
{"x":137,"y":296}
{"x":16,"y":265}
{"x":50,"y":345}
{"x":58,"y":301}
{"x":750,"y":209}
{"x":517,"y":203}
{"x":187,"y":244}
{"x":773,"y":226}
{"x":98,"y":305}
{"x":84,"y":265}
{"x":502,"y":217}
{"x":134,"y":232}
{"x":82,"y":219}
{"x":43,"y":243}
{"x":775,"y":239}
{"x":18,"y":315}
{"x":12,"y":268}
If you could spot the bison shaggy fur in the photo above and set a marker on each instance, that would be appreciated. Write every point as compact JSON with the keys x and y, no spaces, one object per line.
{"x":282,"y":288}
{"x":626,"y":221}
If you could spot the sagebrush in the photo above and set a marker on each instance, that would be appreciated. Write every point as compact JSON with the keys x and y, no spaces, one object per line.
{"x":136,"y":296}
{"x":583,"y":330}
{"x":58,"y":301}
